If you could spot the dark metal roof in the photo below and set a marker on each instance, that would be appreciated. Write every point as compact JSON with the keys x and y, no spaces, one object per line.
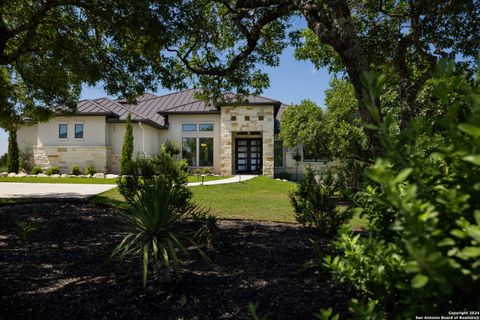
{"x":152,"y":109}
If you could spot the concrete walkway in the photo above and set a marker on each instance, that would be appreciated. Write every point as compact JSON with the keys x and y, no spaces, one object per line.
{"x":51,"y":190}
{"x":81,"y":191}
{"x":237,"y":178}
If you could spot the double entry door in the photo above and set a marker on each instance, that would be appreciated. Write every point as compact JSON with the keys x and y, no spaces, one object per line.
{"x":248,"y":155}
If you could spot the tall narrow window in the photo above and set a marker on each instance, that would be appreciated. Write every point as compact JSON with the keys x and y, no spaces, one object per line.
{"x":189,"y":151}
{"x":206,"y":152}
{"x":78,"y":130}
{"x":63,"y":131}
{"x":278,"y":154}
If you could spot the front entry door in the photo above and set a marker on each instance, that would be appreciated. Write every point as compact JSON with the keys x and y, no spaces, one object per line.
{"x":248,"y":156}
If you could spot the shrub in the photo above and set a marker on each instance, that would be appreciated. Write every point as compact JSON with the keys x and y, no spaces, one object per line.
{"x":26,"y":229}
{"x":423,"y":250}
{"x":90,"y":169}
{"x":13,"y":163}
{"x":208,"y":171}
{"x":170,"y":148}
{"x":53,"y":170}
{"x":26,"y":159}
{"x":75,"y":170}
{"x":157,"y":228}
{"x":315,"y":206}
{"x":36,"y":170}
{"x":126,"y":163}
{"x":144,"y":166}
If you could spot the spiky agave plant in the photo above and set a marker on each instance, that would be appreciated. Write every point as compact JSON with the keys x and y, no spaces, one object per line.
{"x":157,"y":228}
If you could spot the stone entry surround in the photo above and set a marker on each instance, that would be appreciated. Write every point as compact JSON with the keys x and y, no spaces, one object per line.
{"x":246,"y":120}
{"x":64,"y":156}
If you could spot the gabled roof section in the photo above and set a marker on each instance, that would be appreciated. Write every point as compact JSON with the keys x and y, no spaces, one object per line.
{"x":152,"y":109}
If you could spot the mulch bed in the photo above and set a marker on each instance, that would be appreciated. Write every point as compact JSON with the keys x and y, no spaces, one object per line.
{"x":63,"y":271}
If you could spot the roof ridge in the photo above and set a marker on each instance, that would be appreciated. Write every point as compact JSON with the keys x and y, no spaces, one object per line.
{"x":99,"y":105}
{"x":166,"y":95}
{"x":129,"y":110}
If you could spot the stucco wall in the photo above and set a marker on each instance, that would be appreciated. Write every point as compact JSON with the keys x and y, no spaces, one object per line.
{"x":240,"y":124}
{"x":176,"y":134}
{"x":148,"y":145}
{"x":27,"y":137}
{"x":94,"y":131}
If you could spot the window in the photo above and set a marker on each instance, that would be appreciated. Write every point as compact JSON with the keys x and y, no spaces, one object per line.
{"x":63,"y":131}
{"x":189,"y":151}
{"x":78,"y":130}
{"x":247,"y":118}
{"x":278,"y":154}
{"x":260,"y":118}
{"x":233,"y":118}
{"x":205,"y":127}
{"x":189,"y":127}
{"x":205,"y":158}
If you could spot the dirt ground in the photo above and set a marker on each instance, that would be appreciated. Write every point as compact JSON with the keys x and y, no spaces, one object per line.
{"x":64,"y":272}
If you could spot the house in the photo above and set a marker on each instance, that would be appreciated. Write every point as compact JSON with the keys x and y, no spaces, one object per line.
{"x":229,"y":139}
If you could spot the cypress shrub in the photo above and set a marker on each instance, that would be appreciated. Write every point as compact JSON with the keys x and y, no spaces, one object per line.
{"x":126,"y":163}
{"x":13,"y":162}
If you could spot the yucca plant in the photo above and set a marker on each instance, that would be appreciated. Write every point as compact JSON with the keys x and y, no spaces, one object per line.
{"x":25,"y":229}
{"x":157,"y":229}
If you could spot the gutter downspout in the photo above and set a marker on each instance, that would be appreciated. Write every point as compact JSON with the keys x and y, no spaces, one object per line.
{"x":143,"y":138}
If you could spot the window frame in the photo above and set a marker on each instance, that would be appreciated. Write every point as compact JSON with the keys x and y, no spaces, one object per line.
{"x":194,"y":151}
{"x":66,"y":131}
{"x":75,"y":130}
{"x":206,"y":124}
{"x":282,"y":154}
{"x":199,"y":143}
{"x":189,"y":124}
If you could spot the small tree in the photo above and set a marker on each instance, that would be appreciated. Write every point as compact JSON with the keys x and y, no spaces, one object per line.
{"x":126,"y":164}
{"x":12,"y":157}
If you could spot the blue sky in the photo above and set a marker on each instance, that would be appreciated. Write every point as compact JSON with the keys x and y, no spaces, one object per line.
{"x":291,"y":82}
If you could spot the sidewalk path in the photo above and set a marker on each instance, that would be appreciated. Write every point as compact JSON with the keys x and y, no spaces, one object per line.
{"x":79,"y":191}
{"x":237,"y":178}
{"x":51,"y":190}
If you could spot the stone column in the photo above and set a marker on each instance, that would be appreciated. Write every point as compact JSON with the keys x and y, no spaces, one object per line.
{"x":225,"y":150}
{"x":268,"y":144}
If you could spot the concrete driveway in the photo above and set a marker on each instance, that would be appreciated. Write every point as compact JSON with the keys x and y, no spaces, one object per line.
{"x":51,"y":190}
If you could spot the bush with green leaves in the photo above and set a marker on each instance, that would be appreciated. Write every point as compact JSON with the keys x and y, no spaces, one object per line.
{"x":75,"y":170}
{"x":126,"y":162}
{"x":144,"y":167}
{"x":13,"y":163}
{"x":90,"y":169}
{"x":53,"y":170}
{"x":171,"y":148}
{"x":26,"y":229}
{"x":158,"y":230}
{"x":422,"y":254}
{"x":314,"y":205}
{"x":36,"y":170}
{"x":25,"y":158}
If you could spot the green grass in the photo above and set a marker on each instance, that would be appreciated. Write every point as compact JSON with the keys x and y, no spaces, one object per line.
{"x":196,"y":178}
{"x":89,"y":180}
{"x":261,"y":198}
{"x":58,"y":180}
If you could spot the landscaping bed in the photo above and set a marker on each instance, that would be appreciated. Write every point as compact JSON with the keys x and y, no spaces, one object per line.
{"x":63,"y":271}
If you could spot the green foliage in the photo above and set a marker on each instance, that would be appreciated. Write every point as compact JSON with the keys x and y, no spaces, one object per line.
{"x":126,"y":162}
{"x":13,"y":163}
{"x":170,"y":148}
{"x":36,"y":170}
{"x":326,"y":314}
{"x":26,"y":229}
{"x":422,"y":255}
{"x":157,"y":228}
{"x":302,"y":125}
{"x":253,"y":313}
{"x":53,"y":170}
{"x":315,"y":206}
{"x":90,"y":169}
{"x":144,"y":167}
{"x":26,"y":159}
{"x":75,"y":170}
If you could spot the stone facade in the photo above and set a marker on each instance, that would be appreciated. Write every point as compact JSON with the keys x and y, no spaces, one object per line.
{"x":65,"y":156}
{"x":257,"y":119}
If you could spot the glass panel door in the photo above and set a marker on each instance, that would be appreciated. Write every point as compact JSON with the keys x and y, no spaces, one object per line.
{"x":248,"y":156}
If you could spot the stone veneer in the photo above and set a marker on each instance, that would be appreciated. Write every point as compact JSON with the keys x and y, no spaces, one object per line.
{"x":65,"y":157}
{"x":228,"y":127}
